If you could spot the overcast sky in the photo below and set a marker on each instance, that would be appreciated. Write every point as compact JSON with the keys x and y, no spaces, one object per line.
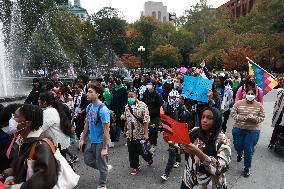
{"x":131,"y":9}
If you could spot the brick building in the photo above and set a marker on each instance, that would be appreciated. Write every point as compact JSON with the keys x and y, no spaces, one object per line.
{"x":240,"y":7}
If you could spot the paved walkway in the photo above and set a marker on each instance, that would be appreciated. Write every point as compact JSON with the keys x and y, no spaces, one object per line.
{"x":267,"y":171}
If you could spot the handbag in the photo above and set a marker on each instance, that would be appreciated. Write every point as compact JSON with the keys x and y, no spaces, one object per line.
{"x":67,"y":178}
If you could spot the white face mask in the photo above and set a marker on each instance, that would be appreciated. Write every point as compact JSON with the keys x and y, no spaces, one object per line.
{"x":149,"y":87}
{"x":250,"y":97}
{"x":13,"y":125}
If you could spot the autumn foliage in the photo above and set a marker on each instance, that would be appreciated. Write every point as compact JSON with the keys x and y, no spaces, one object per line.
{"x":130,"y":61}
{"x":235,"y":58}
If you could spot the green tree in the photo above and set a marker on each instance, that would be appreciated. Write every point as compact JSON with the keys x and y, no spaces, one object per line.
{"x":111,"y":29}
{"x":166,"y":56}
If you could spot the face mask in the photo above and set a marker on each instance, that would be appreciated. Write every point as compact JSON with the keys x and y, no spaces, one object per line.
{"x":149,"y":87}
{"x":168,"y":80}
{"x":131,"y":100}
{"x":250,"y":97}
{"x":13,"y":125}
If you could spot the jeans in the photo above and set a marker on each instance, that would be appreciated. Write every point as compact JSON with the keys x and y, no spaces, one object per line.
{"x":155,"y":123}
{"x":134,"y":150}
{"x":92,"y":158}
{"x":245,"y":141}
{"x":174,"y":156}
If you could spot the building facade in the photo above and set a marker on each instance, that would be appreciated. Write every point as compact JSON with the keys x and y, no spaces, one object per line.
{"x":240,"y":8}
{"x":80,"y":12}
{"x":156,"y":10}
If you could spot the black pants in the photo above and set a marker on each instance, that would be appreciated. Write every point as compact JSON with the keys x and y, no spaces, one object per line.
{"x":226,"y":116}
{"x":174,"y":156}
{"x":183,"y":186}
{"x":276,"y":131}
{"x":134,"y":150}
{"x":79,"y":126}
{"x":155,"y":123}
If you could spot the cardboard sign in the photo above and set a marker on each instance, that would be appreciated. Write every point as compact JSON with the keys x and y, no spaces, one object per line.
{"x":196,"y":88}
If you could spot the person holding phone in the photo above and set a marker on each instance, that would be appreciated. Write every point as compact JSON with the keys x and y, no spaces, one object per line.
{"x":210,"y":153}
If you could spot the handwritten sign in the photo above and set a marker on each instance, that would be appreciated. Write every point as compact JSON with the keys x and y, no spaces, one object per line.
{"x":196,"y":88}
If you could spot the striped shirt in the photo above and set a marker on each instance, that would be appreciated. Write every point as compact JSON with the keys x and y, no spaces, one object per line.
{"x":242,"y":108}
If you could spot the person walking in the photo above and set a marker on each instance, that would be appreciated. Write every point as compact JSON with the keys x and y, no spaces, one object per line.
{"x":210,"y":153}
{"x":154,"y":102}
{"x":96,"y":134}
{"x":136,"y":130}
{"x":248,"y":114}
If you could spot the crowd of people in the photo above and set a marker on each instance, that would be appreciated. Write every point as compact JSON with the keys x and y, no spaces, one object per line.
{"x":95,"y":114}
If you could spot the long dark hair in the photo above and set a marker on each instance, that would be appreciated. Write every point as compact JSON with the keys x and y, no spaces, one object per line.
{"x":34,"y":114}
{"x":210,"y":141}
{"x":65,"y":124}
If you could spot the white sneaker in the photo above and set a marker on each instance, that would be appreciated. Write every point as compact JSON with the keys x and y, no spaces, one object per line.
{"x":125,"y":144}
{"x":152,"y":149}
{"x":165,"y":177}
{"x":102,"y":186}
{"x":111,"y":144}
{"x":109,"y":168}
{"x":176,"y":165}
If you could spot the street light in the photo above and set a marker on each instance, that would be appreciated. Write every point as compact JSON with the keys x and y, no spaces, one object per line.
{"x":141,"y":49}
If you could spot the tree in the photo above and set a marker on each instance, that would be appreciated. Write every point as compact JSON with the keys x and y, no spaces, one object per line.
{"x":235,"y":58}
{"x":130,"y":61}
{"x":166,"y":56}
{"x":146,"y":27}
{"x":111,"y":28}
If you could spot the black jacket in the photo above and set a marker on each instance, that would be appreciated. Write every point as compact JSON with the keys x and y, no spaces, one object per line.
{"x":33,"y":96}
{"x":154,"y":102}
{"x":45,"y":167}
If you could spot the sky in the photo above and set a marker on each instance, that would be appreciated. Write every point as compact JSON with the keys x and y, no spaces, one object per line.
{"x":131,"y":9}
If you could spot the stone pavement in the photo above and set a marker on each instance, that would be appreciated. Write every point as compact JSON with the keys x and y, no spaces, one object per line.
{"x":267,"y":171}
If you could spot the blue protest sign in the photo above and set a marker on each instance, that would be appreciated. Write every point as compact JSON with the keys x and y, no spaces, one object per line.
{"x":196,"y":88}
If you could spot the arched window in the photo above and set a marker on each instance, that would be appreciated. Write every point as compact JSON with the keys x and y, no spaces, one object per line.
{"x":154,"y":14}
{"x":159,"y":15}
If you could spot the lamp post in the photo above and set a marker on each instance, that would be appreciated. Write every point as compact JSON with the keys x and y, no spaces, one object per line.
{"x":141,"y":49}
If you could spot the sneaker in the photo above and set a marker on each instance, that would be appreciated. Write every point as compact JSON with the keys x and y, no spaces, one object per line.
{"x":270,"y":146}
{"x":165,"y":177}
{"x":74,"y":159}
{"x":246,"y":172}
{"x":135,"y":171}
{"x":153,"y":148}
{"x":111,"y":144}
{"x":176,"y":165}
{"x":239,"y":157}
{"x":109,"y":168}
{"x":102,"y":186}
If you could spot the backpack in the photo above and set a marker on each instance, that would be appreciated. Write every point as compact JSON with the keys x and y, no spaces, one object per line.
{"x":98,"y":112}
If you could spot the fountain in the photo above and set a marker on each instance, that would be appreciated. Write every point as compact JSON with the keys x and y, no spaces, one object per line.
{"x":5,"y":87}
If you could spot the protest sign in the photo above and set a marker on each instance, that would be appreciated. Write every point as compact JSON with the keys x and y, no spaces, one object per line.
{"x":174,"y":130}
{"x":196,"y":88}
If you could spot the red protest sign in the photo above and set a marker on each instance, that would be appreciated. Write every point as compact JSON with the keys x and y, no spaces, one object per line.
{"x":174,"y":130}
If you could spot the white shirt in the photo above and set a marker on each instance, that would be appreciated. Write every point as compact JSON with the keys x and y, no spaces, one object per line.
{"x":51,"y":127}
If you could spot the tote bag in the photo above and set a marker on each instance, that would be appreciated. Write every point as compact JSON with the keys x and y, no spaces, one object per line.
{"x":67,"y":178}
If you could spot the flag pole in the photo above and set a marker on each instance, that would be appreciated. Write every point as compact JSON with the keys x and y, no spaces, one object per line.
{"x":260,"y":67}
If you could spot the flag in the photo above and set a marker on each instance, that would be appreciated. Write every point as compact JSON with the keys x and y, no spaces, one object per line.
{"x":262,"y":78}
{"x":250,"y":69}
{"x":174,"y":130}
